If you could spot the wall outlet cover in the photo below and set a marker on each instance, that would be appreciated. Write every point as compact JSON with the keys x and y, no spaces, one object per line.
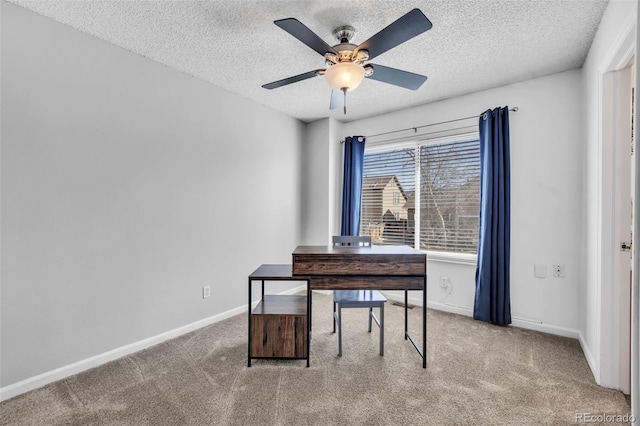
{"x":206,"y":291}
{"x":558,"y":271}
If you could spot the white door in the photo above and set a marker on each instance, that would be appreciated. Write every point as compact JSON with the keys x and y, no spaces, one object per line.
{"x":624,"y":187}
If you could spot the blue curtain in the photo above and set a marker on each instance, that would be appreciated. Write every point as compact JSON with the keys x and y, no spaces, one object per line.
{"x":492,"y":302}
{"x":352,"y":185}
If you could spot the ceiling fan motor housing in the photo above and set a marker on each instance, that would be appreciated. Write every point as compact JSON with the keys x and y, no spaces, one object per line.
{"x":344,"y":34}
{"x":345,"y":49}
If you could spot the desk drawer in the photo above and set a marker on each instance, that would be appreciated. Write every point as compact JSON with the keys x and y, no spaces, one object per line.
{"x":366,"y":282}
{"x":359,"y":265}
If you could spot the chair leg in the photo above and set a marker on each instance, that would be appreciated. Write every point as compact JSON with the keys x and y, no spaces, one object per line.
{"x":334,"y":316}
{"x":339,"y":330}
{"x":370,"y":314}
{"x":382,"y":329}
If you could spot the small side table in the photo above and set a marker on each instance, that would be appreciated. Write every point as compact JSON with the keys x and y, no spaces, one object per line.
{"x":279,"y":326}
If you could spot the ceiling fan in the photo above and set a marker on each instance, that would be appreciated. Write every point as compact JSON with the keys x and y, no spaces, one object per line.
{"x":345,"y":68}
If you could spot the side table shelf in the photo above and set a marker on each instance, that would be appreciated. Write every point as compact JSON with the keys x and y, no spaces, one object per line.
{"x":279,"y":324}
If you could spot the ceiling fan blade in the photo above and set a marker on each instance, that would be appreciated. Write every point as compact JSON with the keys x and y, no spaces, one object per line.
{"x":405,"y":79}
{"x":305,"y":35}
{"x":293,"y":79}
{"x":405,"y":28}
{"x":337,"y":99}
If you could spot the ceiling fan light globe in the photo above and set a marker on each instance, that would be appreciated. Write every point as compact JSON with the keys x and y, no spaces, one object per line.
{"x":344,"y":74}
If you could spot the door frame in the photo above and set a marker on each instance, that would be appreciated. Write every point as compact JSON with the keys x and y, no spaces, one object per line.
{"x":607,"y":369}
{"x":623,"y":84}
{"x":608,"y":366}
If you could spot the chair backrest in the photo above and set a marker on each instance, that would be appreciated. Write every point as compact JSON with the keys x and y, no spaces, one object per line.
{"x":351,"y":240}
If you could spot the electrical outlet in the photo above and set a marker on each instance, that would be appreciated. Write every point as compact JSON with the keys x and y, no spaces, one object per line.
{"x":558,"y":271}
{"x":206,"y":291}
{"x":445,"y":282}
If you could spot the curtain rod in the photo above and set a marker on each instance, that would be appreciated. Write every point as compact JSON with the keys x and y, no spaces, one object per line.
{"x":415,"y":129}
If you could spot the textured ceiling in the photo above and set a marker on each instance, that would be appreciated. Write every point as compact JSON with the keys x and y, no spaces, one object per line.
{"x":473,"y":45}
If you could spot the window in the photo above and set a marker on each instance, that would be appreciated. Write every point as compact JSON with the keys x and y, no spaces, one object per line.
{"x":441,"y":213}
{"x":385,"y":174}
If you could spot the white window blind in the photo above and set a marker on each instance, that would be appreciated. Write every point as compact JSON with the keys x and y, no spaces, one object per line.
{"x":448,"y":192}
{"x":450,"y":198}
{"x":384,"y":218}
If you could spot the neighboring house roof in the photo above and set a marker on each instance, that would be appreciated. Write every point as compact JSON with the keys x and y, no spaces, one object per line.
{"x":379,"y":182}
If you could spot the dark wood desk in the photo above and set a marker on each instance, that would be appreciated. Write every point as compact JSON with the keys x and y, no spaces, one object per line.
{"x":375,"y":267}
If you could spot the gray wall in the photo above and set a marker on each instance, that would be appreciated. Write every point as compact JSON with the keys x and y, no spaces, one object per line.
{"x":126,"y":187}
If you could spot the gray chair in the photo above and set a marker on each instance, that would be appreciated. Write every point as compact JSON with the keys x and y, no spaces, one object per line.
{"x":357,"y":298}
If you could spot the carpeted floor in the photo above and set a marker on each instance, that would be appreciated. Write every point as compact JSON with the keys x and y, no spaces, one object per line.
{"x":477,"y":374}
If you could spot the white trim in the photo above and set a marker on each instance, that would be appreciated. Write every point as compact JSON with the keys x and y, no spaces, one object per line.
{"x":78,"y":367}
{"x":516,"y":322}
{"x":607,"y":343}
{"x":595,"y":368}
{"x":413,"y":300}
{"x":448,"y":257}
{"x":452,"y":309}
{"x":545,"y":328}
{"x":622,"y":48}
{"x":635,"y":280}
{"x":621,"y":261}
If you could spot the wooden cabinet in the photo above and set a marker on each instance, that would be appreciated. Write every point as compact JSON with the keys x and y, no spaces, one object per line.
{"x":279,"y":327}
{"x":279,"y":324}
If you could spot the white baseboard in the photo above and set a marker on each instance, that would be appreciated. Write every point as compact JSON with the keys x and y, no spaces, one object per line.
{"x":544,"y":328}
{"x":454,"y":309}
{"x":468,"y":312}
{"x":590,"y":359}
{"x":416,"y":301}
{"x":515,"y":321}
{"x":43,"y":379}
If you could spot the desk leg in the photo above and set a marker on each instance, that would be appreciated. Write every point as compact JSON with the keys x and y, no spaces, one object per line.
{"x":424,"y":324}
{"x":310,"y":293}
{"x":249,"y":331}
{"x":308,"y":321}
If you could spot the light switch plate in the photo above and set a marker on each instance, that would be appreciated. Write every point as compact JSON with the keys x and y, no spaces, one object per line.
{"x":540,"y":270}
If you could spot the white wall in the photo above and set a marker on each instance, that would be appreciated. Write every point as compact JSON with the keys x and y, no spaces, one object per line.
{"x":126,"y":187}
{"x":597,"y":193}
{"x":321,"y":178}
{"x":546,"y":206}
{"x":336,"y":159}
{"x":315,"y":183}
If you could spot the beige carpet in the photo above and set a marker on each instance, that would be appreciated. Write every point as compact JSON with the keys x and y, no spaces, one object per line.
{"x":477,"y":374}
